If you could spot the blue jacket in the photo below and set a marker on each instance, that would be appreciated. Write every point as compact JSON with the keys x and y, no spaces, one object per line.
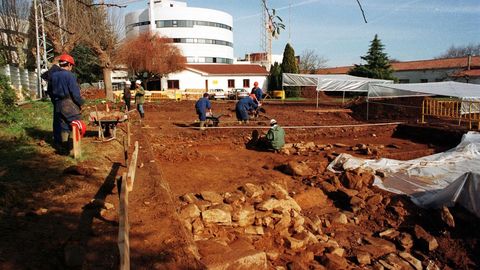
{"x":202,"y":105}
{"x":258,"y":93}
{"x":64,"y":85}
{"x":246,"y":104}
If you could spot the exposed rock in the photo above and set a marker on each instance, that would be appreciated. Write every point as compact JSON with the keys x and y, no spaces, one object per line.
{"x":417,"y":264}
{"x":189,"y":212}
{"x":327,"y":187}
{"x":405,"y":241}
{"x":284,"y":222}
{"x":348,"y":192}
{"x":234,"y":198}
{"x":282,"y":205}
{"x":244,"y":260}
{"x":189,"y":198}
{"x":338,"y":251}
{"x":357,"y":202}
{"x":295,"y":244}
{"x":211,"y":196}
{"x":295,"y":169}
{"x":334,"y":262}
{"x":41,"y":211}
{"x":244,"y":216}
{"x":252,"y":190}
{"x":426,"y":239}
{"x":389,"y":234}
{"x":447,"y":217}
{"x":374,"y":200}
{"x":309,"y":145}
{"x":311,"y":198}
{"x":202,"y":205}
{"x":340,"y":218}
{"x":279,"y":192}
{"x":377,"y":247}
{"x":341,"y":145}
{"x":217,"y":216}
{"x":197,"y":226}
{"x":363,"y":258}
{"x":256,"y":230}
{"x":398,"y":262}
{"x":432,"y":266}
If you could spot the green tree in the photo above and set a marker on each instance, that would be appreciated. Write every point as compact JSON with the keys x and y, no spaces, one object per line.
{"x":377,"y":66}
{"x":290,"y":65}
{"x":275,"y":77}
{"x":7,"y":100}
{"x":87,"y":68}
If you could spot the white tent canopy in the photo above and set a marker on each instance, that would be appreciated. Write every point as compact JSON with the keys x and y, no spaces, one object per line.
{"x":331,"y":82}
{"x":465,"y":91}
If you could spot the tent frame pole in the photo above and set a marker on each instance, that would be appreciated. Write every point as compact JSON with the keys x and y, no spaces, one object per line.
{"x":317,"y":99}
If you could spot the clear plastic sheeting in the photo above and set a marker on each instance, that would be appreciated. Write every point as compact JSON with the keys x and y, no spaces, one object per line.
{"x":447,"y":89}
{"x":441,"y":179}
{"x":331,"y":82}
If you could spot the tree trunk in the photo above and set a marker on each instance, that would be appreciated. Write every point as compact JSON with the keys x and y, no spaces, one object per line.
{"x":107,"y":82}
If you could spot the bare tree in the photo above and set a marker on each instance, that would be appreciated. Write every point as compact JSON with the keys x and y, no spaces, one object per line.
{"x":461,"y":51}
{"x":151,"y":53}
{"x":310,"y":62}
{"x":13,"y":29}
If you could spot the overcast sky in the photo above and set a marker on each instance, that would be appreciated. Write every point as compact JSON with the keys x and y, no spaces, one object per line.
{"x":334,"y":29}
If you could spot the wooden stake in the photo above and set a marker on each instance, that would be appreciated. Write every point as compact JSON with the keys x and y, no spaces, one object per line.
{"x":128,"y":133}
{"x":77,"y":147}
{"x":132,"y":168}
{"x":123,"y":228}
{"x":100,"y":131}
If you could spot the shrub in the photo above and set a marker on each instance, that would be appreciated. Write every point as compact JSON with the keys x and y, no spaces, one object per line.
{"x":8,"y":98}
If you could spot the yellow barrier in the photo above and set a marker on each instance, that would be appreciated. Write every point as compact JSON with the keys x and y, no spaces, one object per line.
{"x":452,"y":109}
{"x":279,"y":94}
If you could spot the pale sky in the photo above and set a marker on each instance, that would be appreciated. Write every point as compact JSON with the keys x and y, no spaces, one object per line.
{"x":335,"y":30}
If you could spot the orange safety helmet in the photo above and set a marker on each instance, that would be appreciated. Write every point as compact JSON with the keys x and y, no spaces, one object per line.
{"x":81,"y":126}
{"x":66,"y":58}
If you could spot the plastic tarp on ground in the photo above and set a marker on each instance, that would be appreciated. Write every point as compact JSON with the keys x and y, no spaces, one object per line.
{"x":441,"y":179}
{"x":331,"y":82}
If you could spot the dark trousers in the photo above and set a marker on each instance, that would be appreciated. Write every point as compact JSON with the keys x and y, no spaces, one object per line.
{"x":127,"y":104}
{"x":57,"y":126}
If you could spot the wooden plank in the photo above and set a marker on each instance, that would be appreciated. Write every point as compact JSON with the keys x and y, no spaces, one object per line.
{"x":128,"y":133}
{"x":328,"y":111}
{"x":123,"y":228}
{"x":77,"y":146}
{"x":132,"y":168}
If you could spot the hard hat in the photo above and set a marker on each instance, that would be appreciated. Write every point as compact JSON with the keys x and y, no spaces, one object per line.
{"x":81,"y":126}
{"x":255,"y":84}
{"x":138,"y":82}
{"x":273,"y":121}
{"x":128,"y":82}
{"x":66,"y":58}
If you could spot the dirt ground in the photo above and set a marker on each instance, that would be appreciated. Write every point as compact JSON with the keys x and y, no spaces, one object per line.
{"x":176,"y":159}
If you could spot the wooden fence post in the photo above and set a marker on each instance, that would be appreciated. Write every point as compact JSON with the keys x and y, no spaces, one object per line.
{"x":132,"y":168}
{"x":128,"y":132}
{"x":77,"y":147}
{"x":123,"y":229}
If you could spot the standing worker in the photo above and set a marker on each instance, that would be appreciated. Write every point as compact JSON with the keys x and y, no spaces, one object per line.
{"x":258,"y":92}
{"x":127,"y":96}
{"x":242,"y":108}
{"x":139,"y":97}
{"x":57,"y":129}
{"x":201,"y":106}
{"x":67,"y":99}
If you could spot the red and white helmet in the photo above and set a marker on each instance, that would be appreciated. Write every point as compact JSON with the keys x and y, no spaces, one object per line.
{"x":81,"y":126}
{"x":66,"y":58}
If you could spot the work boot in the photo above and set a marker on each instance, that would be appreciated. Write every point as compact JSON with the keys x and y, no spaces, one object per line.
{"x":202,"y":125}
{"x":142,"y":115}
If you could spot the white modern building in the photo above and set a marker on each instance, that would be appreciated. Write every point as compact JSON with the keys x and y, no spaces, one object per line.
{"x":203,"y":35}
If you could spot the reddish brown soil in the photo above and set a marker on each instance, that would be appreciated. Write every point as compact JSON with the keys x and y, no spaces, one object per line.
{"x":176,"y":158}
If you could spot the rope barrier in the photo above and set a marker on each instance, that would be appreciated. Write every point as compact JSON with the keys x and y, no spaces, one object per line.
{"x":302,"y":127}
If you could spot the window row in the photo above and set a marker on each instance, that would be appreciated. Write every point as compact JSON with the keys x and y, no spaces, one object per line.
{"x":189,"y":23}
{"x":175,"y":84}
{"x":203,"y":41}
{"x":179,"y":23}
{"x":209,"y":60}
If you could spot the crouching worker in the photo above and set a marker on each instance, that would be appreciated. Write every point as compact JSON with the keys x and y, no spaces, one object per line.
{"x":244,"y":106}
{"x":273,"y":140}
{"x":201,"y":106}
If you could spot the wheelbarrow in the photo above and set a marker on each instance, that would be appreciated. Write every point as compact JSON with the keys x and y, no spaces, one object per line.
{"x":213,"y":120}
{"x":107,"y":123}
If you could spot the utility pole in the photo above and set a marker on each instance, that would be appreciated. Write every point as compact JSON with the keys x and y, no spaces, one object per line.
{"x":45,"y":9}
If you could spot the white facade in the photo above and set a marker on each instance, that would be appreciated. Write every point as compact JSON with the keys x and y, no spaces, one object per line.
{"x":203,"y":35}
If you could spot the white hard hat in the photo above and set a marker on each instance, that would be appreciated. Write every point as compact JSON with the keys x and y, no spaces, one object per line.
{"x":138,"y":82}
{"x":273,"y":122}
{"x":128,"y":82}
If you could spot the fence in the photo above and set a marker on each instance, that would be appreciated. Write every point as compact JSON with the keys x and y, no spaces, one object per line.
{"x":465,"y":110}
{"x":23,"y":81}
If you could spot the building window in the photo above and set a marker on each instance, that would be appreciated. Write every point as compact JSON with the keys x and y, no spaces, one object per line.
{"x":246,"y":83}
{"x":190,"y":23}
{"x":438,"y":80}
{"x":173,"y":84}
{"x":231,"y":83}
{"x":404,"y":81}
{"x":424,"y":80}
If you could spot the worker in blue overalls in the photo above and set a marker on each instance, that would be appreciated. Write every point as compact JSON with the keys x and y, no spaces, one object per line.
{"x":67,"y":99}
{"x":242,"y":108}
{"x":201,"y":107}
